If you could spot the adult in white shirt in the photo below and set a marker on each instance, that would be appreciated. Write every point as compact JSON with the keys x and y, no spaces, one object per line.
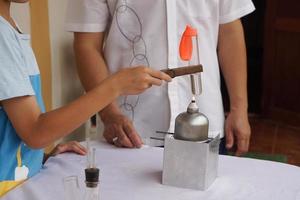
{"x":115,"y":34}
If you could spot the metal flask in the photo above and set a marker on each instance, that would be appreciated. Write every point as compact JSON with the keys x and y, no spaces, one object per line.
{"x":191,"y":125}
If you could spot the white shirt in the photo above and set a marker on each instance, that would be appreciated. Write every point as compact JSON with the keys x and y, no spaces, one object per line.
{"x":144,"y":32}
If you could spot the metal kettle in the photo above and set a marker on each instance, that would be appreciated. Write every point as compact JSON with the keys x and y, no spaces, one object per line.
{"x":191,"y":125}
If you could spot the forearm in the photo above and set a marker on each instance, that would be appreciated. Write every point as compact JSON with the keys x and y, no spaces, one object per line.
{"x":91,"y":65}
{"x":38,"y":130}
{"x":60,"y":122}
{"x":232,"y":58}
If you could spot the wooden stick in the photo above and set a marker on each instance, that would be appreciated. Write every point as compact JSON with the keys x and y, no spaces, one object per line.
{"x":181,"y":71}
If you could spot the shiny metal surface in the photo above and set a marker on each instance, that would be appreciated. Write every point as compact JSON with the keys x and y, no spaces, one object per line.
{"x":196,"y":84}
{"x":191,"y":125}
{"x":189,"y":164}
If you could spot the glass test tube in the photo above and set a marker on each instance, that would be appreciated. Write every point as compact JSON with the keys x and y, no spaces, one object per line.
{"x":196,"y":80}
{"x":71,"y":188}
{"x":91,"y":130}
{"x":196,"y":84}
{"x":88,"y":141}
{"x":93,"y":163}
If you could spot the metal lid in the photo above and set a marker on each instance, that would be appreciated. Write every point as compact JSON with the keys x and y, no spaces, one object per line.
{"x":193,"y":107}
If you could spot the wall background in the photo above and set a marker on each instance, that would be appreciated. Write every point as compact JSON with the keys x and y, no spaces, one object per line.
{"x":65,"y":82}
{"x":21,"y":13}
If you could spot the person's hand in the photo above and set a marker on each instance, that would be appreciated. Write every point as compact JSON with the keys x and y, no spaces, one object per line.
{"x":72,"y":146}
{"x":137,"y":79}
{"x":119,"y":131}
{"x":238,"y":131}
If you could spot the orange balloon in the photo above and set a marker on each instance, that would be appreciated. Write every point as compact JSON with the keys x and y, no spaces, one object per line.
{"x":186,"y":43}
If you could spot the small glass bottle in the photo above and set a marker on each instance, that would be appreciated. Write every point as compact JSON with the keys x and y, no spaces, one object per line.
{"x":92,"y":178}
{"x":71,"y":188}
{"x":92,"y":184}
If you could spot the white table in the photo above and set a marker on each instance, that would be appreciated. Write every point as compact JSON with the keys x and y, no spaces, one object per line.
{"x":135,"y":174}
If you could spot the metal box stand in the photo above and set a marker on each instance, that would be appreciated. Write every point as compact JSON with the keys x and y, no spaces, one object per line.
{"x":189,"y":164}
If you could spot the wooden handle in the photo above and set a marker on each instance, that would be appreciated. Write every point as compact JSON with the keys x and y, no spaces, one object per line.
{"x":181,"y":71}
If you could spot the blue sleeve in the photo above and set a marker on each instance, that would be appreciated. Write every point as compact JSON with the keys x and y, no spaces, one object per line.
{"x":14,"y":79}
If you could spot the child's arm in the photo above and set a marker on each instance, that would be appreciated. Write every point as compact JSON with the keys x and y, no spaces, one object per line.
{"x":38,"y":129}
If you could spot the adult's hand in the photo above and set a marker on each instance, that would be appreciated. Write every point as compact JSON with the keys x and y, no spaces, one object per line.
{"x":238,"y":131}
{"x":119,"y":130}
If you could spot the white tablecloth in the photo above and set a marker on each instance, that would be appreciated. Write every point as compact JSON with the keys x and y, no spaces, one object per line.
{"x":135,"y":174}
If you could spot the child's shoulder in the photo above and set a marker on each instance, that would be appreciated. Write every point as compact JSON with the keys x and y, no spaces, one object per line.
{"x":6,"y":32}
